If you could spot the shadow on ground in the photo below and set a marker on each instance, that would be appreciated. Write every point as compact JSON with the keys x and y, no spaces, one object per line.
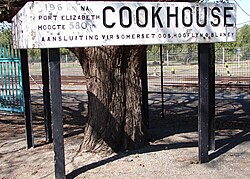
{"x":180,"y":117}
{"x":74,"y":115}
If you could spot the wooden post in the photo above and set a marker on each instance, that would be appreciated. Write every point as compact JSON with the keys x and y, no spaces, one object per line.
{"x":206,"y":58}
{"x":56,"y":108}
{"x":27,"y":99}
{"x":46,"y":95}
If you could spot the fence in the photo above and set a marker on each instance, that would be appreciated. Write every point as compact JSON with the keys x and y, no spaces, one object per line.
{"x":180,"y":68}
{"x":11,"y":93}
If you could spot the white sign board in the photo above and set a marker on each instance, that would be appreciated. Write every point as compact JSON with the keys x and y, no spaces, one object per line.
{"x":83,"y":23}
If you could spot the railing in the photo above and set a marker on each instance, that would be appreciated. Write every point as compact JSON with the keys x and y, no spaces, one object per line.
{"x":11,"y":92}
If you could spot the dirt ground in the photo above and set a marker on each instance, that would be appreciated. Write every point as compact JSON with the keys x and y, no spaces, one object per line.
{"x":173,"y":152}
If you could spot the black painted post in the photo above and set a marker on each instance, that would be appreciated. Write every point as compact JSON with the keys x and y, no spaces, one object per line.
{"x":145,"y":89}
{"x":206,"y":58}
{"x":162,"y":90}
{"x":46,"y":95}
{"x":56,"y":108}
{"x":27,"y":99}
{"x":212,"y":97}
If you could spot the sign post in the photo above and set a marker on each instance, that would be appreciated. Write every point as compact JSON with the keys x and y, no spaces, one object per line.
{"x":27,"y":99}
{"x":206,"y":130}
{"x":52,"y":25}
{"x":56,"y":106}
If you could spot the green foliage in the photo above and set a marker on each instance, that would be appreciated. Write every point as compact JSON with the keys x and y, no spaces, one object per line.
{"x":34,"y":55}
{"x":65,"y":51}
{"x":154,"y":49}
{"x":5,"y":34}
{"x":243,"y":42}
{"x":243,"y":36}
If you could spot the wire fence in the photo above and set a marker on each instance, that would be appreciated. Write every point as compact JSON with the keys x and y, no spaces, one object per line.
{"x":178,"y":95}
{"x":180,"y":67}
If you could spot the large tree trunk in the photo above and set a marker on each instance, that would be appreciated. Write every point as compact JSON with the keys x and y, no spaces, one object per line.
{"x":116,"y":116}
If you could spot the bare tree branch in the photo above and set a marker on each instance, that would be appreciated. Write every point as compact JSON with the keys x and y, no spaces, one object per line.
{"x":8,"y":8}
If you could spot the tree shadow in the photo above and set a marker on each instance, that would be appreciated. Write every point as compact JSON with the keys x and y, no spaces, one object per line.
{"x":232,"y":126}
{"x":180,"y":118}
{"x":232,"y":122}
{"x":180,"y":115}
{"x":146,"y":149}
{"x":74,"y":114}
{"x":225,"y":145}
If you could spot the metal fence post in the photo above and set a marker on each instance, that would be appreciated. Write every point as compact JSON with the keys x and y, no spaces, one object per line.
{"x":144,"y":79}
{"x":162,"y":86}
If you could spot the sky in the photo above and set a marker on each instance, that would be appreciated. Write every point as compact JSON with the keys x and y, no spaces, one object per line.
{"x":242,"y":17}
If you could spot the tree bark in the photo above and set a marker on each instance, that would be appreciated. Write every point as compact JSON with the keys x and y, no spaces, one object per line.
{"x":115,"y":112}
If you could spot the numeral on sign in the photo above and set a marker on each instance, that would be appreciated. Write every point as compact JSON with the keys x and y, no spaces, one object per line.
{"x":52,"y":7}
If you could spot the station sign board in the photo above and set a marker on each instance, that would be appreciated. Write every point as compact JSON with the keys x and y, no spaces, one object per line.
{"x":55,"y":24}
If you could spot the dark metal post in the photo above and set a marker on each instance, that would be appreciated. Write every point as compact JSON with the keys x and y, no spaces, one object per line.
{"x":212,"y":96}
{"x":56,"y":108}
{"x":27,"y":99}
{"x":46,"y":95}
{"x":162,"y":90}
{"x":206,"y":100}
{"x":145,"y":88}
